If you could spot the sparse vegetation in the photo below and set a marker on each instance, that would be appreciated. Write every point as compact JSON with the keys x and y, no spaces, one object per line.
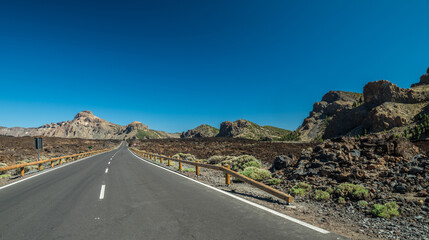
{"x":185,"y":156}
{"x":387,"y":210}
{"x":236,"y":163}
{"x":362,"y":203}
{"x":341,"y":200}
{"x":352,"y":191}
{"x":274,"y":181}
{"x":4,"y":176}
{"x":300,"y":189}
{"x":321,"y":195}
{"x":255,"y":173}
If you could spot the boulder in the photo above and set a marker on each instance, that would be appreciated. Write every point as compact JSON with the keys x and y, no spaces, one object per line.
{"x":281,"y":162}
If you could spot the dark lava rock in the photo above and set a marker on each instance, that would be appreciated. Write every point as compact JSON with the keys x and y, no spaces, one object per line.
{"x":401,"y":188}
{"x":281,"y":162}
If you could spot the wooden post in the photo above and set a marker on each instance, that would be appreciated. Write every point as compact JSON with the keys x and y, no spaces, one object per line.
{"x":40,"y":167}
{"x":197,"y":169}
{"x":52,"y":163}
{"x":60,"y":162}
{"x":180,"y":166}
{"x":22,"y":171}
{"x":227,"y":176}
{"x":160,"y":160}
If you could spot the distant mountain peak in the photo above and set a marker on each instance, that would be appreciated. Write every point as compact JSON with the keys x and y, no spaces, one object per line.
{"x":85,"y":113}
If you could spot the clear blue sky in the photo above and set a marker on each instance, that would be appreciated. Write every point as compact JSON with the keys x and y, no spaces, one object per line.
{"x":176,"y":64}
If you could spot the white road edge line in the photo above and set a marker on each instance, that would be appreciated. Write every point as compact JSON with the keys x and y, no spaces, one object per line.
{"x":321,"y":230}
{"x":46,"y":171}
{"x":103,"y":187}
{"x":107,"y":169}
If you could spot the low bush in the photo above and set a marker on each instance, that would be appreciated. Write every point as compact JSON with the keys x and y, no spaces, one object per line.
{"x":362,"y":203}
{"x":274,"y":181}
{"x":321,"y":195}
{"x":188,"y":169}
{"x":341,"y":200}
{"x":352,"y":191}
{"x":4,"y":176}
{"x":300,"y":189}
{"x":185,"y":156}
{"x":387,"y":210}
{"x":255,"y":173}
{"x":236,"y":163}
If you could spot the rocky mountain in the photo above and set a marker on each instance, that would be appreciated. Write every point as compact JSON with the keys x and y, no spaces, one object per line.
{"x":86,"y":125}
{"x":249,"y":130}
{"x":383,"y":106}
{"x":203,"y":130}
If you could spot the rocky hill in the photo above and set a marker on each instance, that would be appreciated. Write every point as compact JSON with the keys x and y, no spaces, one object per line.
{"x":249,"y":130}
{"x":383,"y":106}
{"x":203,"y":130}
{"x":86,"y":125}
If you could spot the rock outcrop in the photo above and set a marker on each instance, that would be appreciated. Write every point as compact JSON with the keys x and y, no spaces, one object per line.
{"x":203,"y":130}
{"x":85,"y":125}
{"x":383,"y":106}
{"x":333,"y":102}
{"x":245,"y":129}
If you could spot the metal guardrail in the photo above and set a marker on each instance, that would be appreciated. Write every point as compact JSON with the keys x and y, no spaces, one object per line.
{"x":67,"y":158}
{"x":228,"y":172}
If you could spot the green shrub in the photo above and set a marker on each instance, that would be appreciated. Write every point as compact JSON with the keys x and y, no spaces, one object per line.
{"x":362,"y":203}
{"x":300,"y":189}
{"x":4,"y":176}
{"x":274,"y":181}
{"x":321,"y":195}
{"x":341,"y":200}
{"x":185,"y":156}
{"x":255,"y":173}
{"x":188,"y":169}
{"x":236,"y":163}
{"x":352,"y":191}
{"x":330,"y":190}
{"x":387,"y":210}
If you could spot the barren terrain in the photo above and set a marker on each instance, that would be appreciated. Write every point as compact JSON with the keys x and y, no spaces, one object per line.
{"x":204,"y":148}
{"x":14,"y":149}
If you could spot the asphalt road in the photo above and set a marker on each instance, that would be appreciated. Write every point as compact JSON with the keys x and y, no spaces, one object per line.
{"x":140,"y":201}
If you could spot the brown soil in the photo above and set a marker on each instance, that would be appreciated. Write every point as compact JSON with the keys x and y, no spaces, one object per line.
{"x":204,"y":148}
{"x":13,"y":149}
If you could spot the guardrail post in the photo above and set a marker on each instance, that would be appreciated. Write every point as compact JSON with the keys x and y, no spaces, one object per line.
{"x":180,"y":166}
{"x":197,"y":168}
{"x":160,"y":160}
{"x":22,"y":171}
{"x":52,"y":163}
{"x":40,"y":167}
{"x":67,"y":160}
{"x":60,"y":162}
{"x":227,"y":176}
{"x":169,"y":161}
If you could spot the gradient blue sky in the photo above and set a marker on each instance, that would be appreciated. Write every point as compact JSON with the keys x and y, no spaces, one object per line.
{"x":176,"y":64}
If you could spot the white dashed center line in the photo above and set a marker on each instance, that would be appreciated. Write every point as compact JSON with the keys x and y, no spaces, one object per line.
{"x":103,"y":187}
{"x":108,"y":163}
{"x":106,"y":170}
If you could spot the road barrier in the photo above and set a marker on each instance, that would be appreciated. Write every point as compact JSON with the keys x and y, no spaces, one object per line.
{"x":67,"y":158}
{"x":227,"y":170}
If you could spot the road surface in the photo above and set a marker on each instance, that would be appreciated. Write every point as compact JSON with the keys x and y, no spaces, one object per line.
{"x":116,"y":195}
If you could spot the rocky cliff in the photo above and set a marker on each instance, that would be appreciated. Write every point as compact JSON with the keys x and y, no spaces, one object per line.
{"x":383,"y":106}
{"x":203,"y":130}
{"x":86,"y":125}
